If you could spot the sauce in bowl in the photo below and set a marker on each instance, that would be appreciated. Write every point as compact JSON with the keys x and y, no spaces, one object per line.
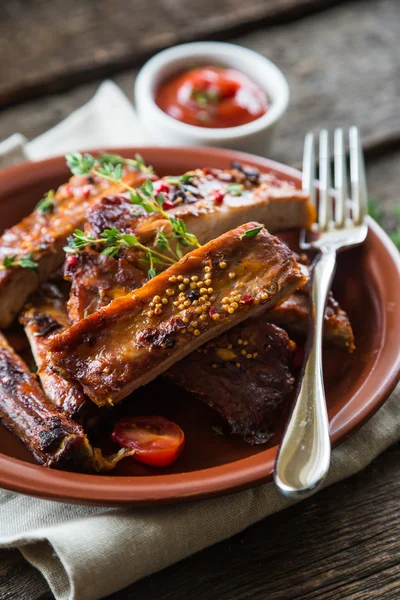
{"x":214,"y":97}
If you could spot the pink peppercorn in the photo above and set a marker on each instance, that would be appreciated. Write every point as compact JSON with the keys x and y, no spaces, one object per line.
{"x":86,"y":191}
{"x":247,"y":299}
{"x":72,"y":260}
{"x":218,"y":197}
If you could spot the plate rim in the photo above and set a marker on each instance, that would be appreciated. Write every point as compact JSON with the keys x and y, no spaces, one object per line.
{"x":22,"y":477}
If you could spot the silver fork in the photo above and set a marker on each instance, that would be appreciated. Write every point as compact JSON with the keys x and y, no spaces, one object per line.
{"x":304,"y":454}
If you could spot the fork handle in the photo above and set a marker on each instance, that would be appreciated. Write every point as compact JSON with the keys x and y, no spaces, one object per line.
{"x":304,"y":454}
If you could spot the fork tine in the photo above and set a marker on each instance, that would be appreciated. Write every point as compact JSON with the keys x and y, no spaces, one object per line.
{"x":324,"y":208}
{"x":340,"y":177}
{"x":309,"y":167}
{"x":357,"y":177}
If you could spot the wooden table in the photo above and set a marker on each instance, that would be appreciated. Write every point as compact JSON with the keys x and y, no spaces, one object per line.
{"x":342,"y":62}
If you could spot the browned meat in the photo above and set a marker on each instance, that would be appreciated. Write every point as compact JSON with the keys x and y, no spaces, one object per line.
{"x":97,"y":280}
{"x":292,"y":315}
{"x":43,"y":234}
{"x":54,"y":439}
{"x":43,"y":316}
{"x":210,"y":202}
{"x":134,"y":339}
{"x":244,"y":375}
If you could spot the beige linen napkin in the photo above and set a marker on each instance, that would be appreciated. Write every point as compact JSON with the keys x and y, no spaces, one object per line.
{"x":87,"y":553}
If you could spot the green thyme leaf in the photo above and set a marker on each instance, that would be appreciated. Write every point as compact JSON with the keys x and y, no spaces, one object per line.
{"x":147,"y":188}
{"x":161,"y":240}
{"x":217,"y":429}
{"x":151,"y":273}
{"x":110,"y":171}
{"x":250,"y":233}
{"x":8,"y":261}
{"x":116,"y":159}
{"x":235,"y":189}
{"x":85,"y":314}
{"x":110,"y":251}
{"x":80,"y":164}
{"x":178,"y":250}
{"x":160,"y":199}
{"x":25,"y":262}
{"x":181,"y":179}
{"x":131,"y":240}
{"x":135,"y":198}
{"x":46,"y":205}
{"x":28,"y":263}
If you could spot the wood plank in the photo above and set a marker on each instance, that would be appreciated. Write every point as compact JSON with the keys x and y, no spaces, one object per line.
{"x":331,"y":78}
{"x":334,"y":545}
{"x":20,"y":581}
{"x":55,"y":45}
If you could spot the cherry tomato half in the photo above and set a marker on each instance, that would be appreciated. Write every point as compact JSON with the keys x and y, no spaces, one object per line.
{"x":157,"y":441}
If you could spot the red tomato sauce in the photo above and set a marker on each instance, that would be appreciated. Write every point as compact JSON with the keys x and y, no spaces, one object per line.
{"x":212,"y":97}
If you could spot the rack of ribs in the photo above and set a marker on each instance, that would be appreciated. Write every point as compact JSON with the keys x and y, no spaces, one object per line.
{"x":43,"y":235}
{"x":44,"y":315}
{"x":244,"y":375}
{"x":209,"y":201}
{"x":139,"y":336}
{"x":54,"y":439}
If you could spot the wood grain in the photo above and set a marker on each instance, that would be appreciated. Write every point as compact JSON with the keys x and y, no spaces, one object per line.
{"x":342,"y":67}
{"x":335,"y":545}
{"x":342,"y":544}
{"x":56,"y":45}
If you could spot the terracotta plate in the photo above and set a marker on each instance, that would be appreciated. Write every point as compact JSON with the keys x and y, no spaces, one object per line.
{"x":367,"y":286}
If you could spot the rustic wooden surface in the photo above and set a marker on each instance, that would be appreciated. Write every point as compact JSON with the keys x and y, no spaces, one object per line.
{"x":58,"y":44}
{"x":342,"y":544}
{"x":342,"y":63}
{"x":342,"y":67}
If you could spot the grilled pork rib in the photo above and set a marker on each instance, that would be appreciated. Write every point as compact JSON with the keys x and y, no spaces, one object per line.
{"x":292,"y":315}
{"x":54,"y":439}
{"x":98,"y":279}
{"x":211,"y":202}
{"x":44,"y":233}
{"x":243,"y":374}
{"x":42,"y":316}
{"x":136,"y":338}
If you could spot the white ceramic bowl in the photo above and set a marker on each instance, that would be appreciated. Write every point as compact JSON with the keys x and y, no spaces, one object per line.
{"x":163,"y":130}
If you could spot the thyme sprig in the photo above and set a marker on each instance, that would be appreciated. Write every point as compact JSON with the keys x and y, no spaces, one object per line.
{"x":250,"y":233}
{"x":46,"y":205}
{"x":144,"y":196}
{"x":82,"y":164}
{"x":235,"y":189}
{"x":116,"y":159}
{"x":113,"y":240}
{"x":25,"y":262}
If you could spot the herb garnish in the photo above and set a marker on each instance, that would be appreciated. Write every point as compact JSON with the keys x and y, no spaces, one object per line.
{"x":146,"y":199}
{"x":115,"y":159}
{"x":217,"y":429}
{"x":113,"y":240}
{"x":235,"y":189}
{"x":181,"y":179}
{"x":82,"y":164}
{"x":46,"y":205}
{"x":24,"y":262}
{"x":204,"y":97}
{"x":250,"y":233}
